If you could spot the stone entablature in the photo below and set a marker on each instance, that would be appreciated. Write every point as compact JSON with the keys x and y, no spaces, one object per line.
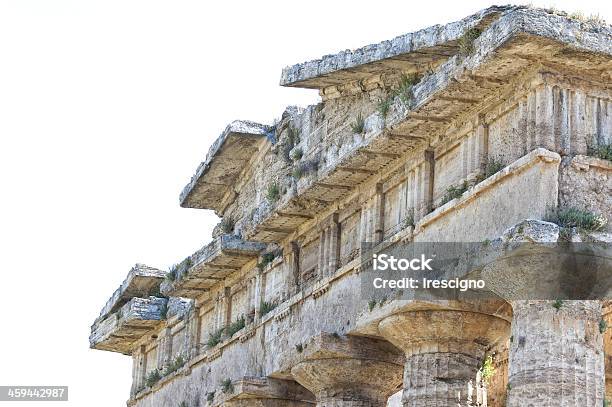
{"x":506,"y":127}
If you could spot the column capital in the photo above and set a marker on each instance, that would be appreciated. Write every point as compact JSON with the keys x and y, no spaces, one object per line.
{"x":349,"y":371}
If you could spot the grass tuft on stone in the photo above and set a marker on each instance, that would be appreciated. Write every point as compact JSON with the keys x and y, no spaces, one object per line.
{"x":384,"y":105}
{"x":236,"y":326}
{"x":215,"y":338}
{"x":227,"y":386}
{"x":578,"y":218}
{"x":466,"y":41}
{"x":603,"y":152}
{"x":265,"y":307}
{"x":404,"y":91}
{"x":358,"y":126}
{"x":453,"y":192}
{"x":210,"y":396}
{"x":273,"y":193}
{"x":603,"y":326}
{"x":153,"y":377}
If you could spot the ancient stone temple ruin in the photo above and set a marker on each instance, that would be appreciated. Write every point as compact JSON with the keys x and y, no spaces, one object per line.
{"x":493,"y":129}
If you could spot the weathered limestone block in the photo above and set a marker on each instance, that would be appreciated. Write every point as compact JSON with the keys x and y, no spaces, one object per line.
{"x":141,"y":281}
{"x":120,"y":331}
{"x":444,"y":350}
{"x":226,"y":159}
{"x":345,"y":371}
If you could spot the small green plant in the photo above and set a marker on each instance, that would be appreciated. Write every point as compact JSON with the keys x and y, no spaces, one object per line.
{"x":299,"y":348}
{"x":371,"y":304}
{"x":210,"y":396}
{"x":183,"y":404}
{"x":487,"y":369}
{"x":404,"y":91}
{"x":298,"y":172}
{"x":578,"y":218}
{"x":297,"y":154}
{"x":408,"y":220}
{"x":215,"y":338}
{"x":293,"y":135}
{"x":265,"y":260}
{"x":607,"y":402}
{"x":236,"y":326}
{"x":174,"y":365}
{"x":603,"y":151}
{"x":273,"y":192}
{"x":509,"y":387}
{"x":603,"y":325}
{"x":491,"y":168}
{"x":382,"y":301}
{"x":358,"y":126}
{"x":227,"y":386}
{"x":163,"y":312}
{"x":453,"y":192}
{"x":153,"y":377}
{"x":227,"y":224}
{"x":266,"y":307}
{"x":466,"y":41}
{"x":486,"y":243}
{"x":171,"y":274}
{"x":511,"y":338}
{"x":557,"y":304}
{"x":384,"y":105}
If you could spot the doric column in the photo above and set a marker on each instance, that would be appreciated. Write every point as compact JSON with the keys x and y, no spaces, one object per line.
{"x":444,"y":350}
{"x":345,"y":371}
{"x":556,"y":354}
{"x":556,"y":350}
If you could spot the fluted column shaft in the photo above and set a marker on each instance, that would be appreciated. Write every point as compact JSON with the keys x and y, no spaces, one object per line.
{"x":556,"y":354}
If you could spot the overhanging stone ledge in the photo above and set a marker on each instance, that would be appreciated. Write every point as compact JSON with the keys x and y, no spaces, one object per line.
{"x":417,"y":49}
{"x":141,"y":281}
{"x":228,"y":156}
{"x":122,"y":329}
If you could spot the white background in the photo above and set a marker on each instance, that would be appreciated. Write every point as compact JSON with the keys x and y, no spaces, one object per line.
{"x":106,"y":109}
